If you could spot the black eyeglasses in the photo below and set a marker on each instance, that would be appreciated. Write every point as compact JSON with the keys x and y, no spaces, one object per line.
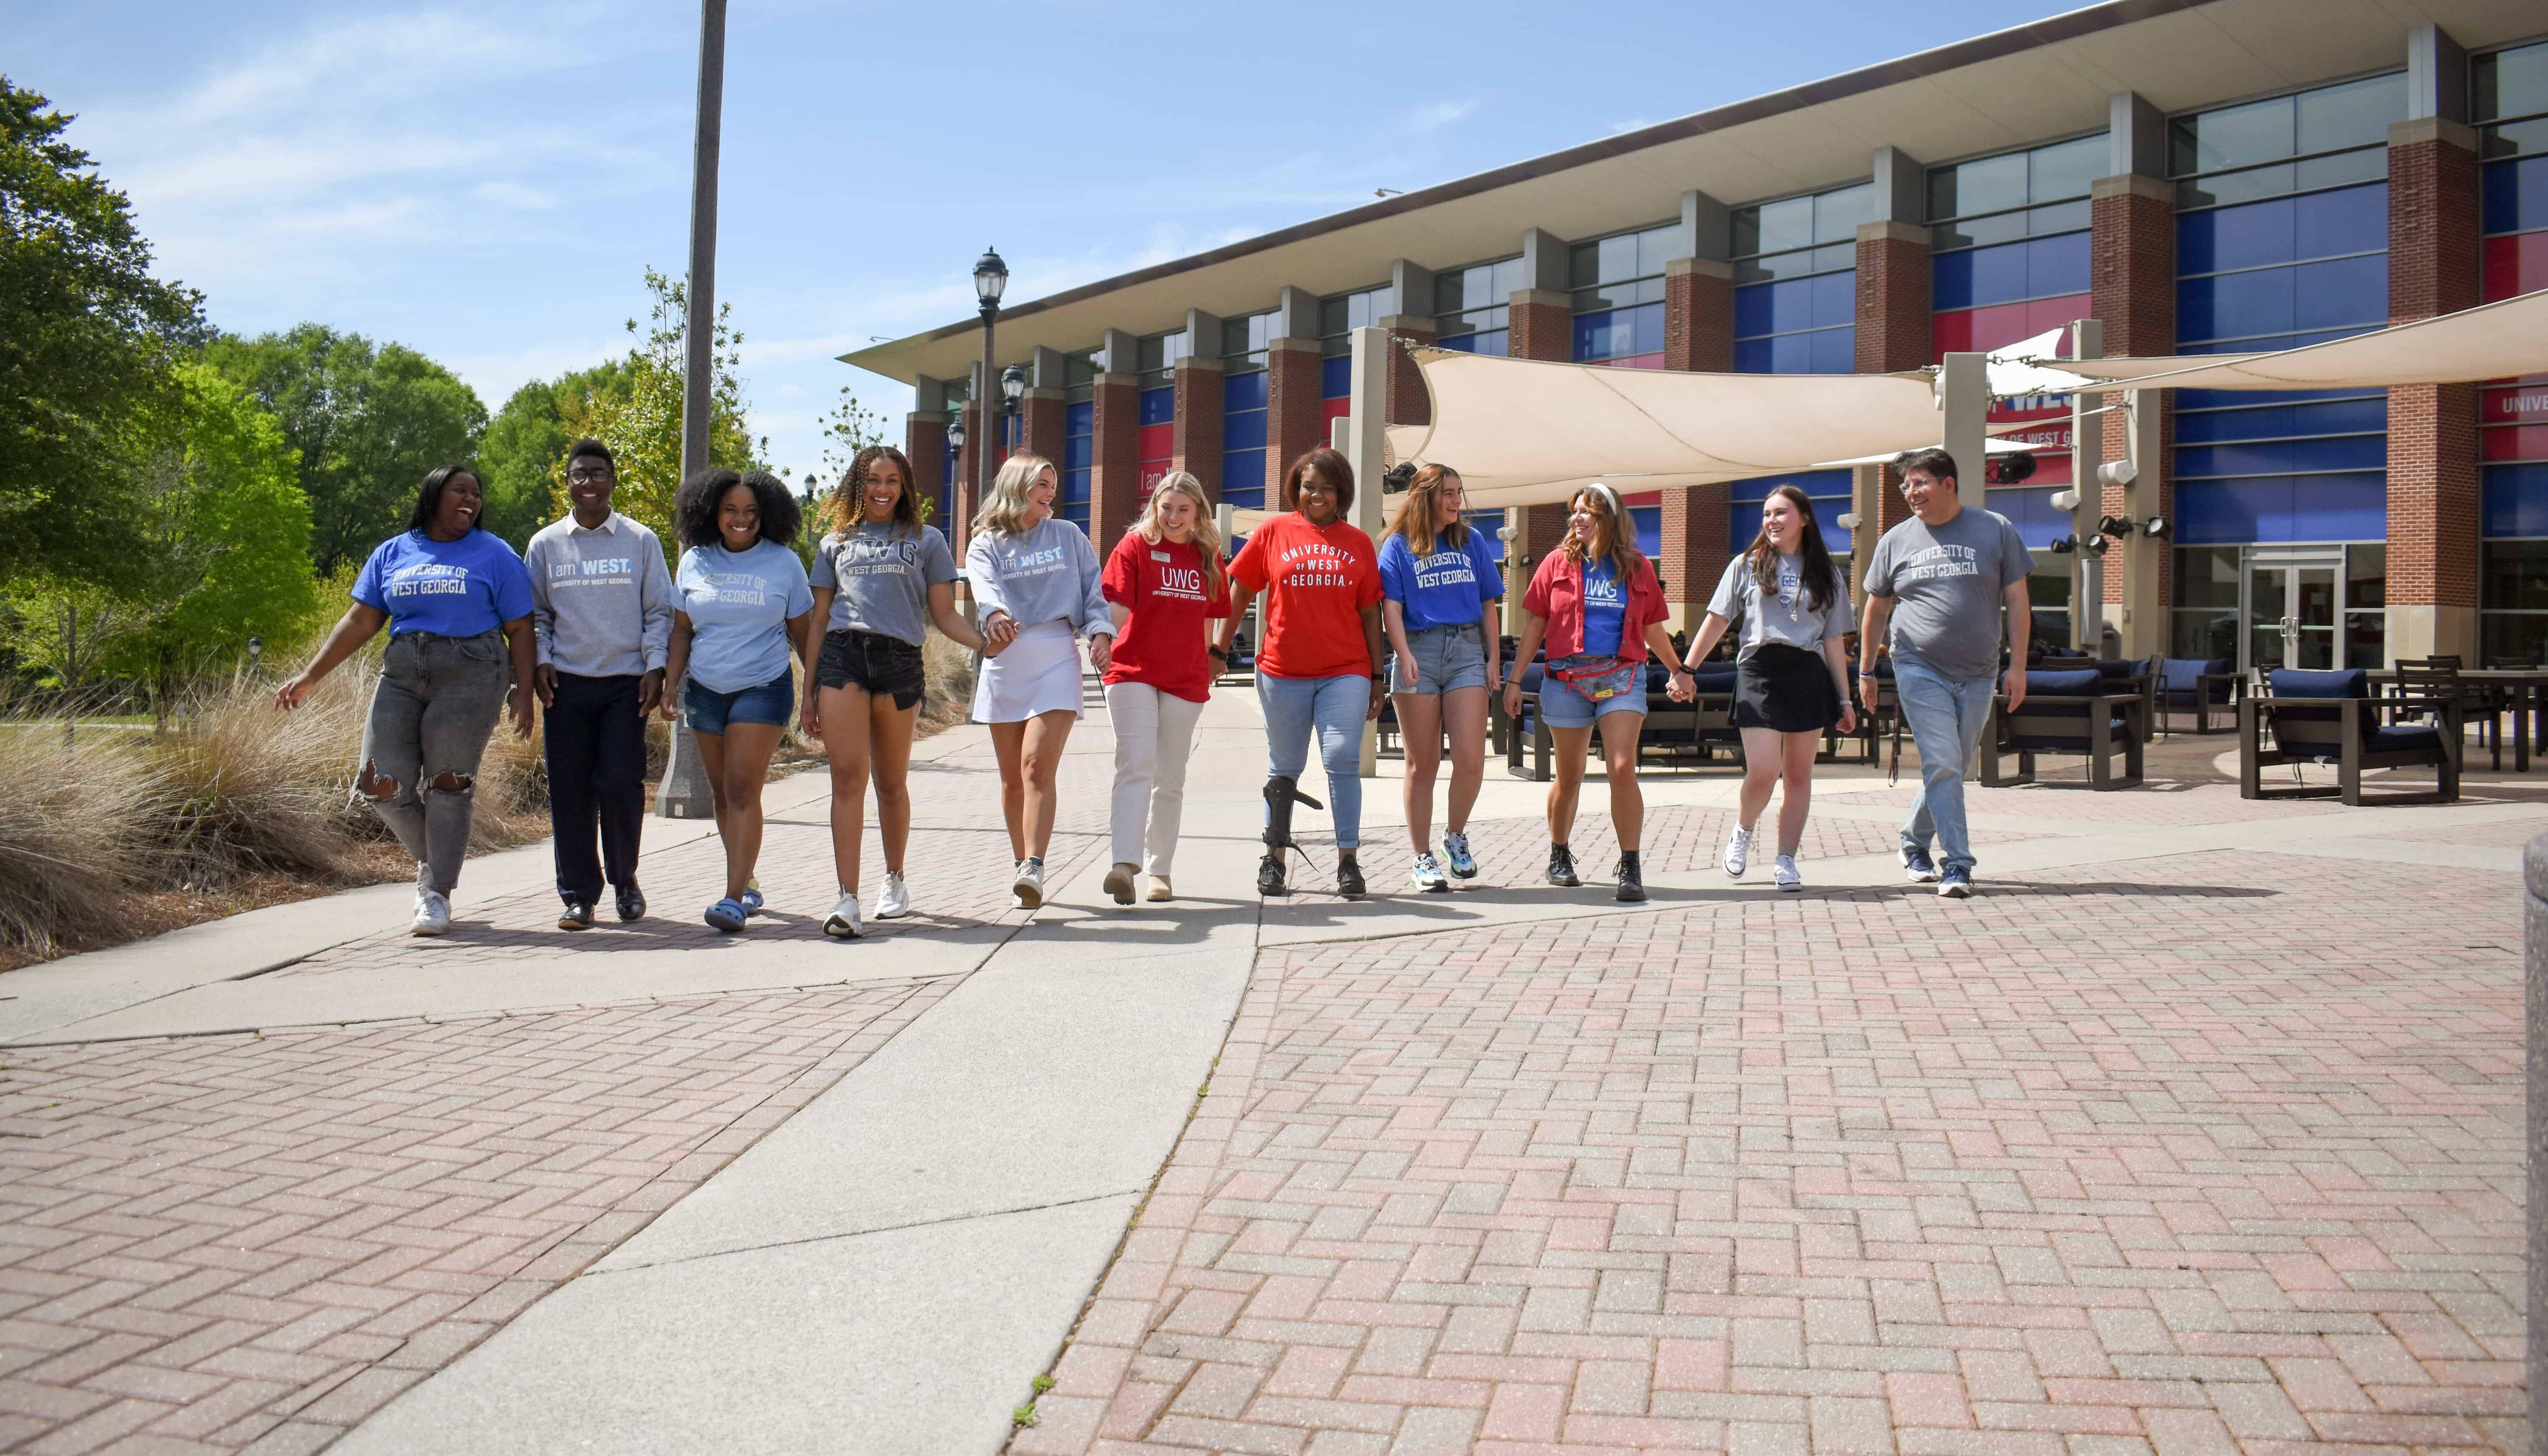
{"x":586,"y":476}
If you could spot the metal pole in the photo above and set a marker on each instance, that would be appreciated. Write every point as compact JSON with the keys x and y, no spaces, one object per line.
{"x":2087,"y":453}
{"x":684,"y":793}
{"x":989,"y":423}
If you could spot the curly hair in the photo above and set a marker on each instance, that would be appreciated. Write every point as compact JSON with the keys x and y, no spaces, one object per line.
{"x":428,"y":497}
{"x":694,"y":510}
{"x":845,"y":504}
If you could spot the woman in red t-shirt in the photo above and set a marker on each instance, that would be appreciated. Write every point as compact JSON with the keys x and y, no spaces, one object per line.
{"x":1320,"y":663}
{"x":1164,"y":582}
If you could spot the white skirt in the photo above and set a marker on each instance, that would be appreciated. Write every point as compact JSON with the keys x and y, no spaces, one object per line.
{"x":1037,"y":673}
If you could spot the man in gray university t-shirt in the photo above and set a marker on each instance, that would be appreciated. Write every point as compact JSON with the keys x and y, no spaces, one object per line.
{"x":1940,"y":581}
{"x":601,"y":611}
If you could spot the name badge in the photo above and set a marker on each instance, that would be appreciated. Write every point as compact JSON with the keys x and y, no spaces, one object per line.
{"x":1158,"y":556}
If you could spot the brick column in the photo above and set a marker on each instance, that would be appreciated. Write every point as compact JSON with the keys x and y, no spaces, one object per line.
{"x":1408,"y":404}
{"x":1040,"y":424}
{"x":1892,"y":332}
{"x":2131,"y":280}
{"x":1197,"y":429}
{"x":2433,"y":490}
{"x":924,"y":440}
{"x":1295,"y":413}
{"x":1114,"y":472}
{"x":1698,"y":336}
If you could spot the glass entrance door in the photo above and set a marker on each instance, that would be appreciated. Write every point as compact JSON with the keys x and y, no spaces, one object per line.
{"x":2293,"y":603}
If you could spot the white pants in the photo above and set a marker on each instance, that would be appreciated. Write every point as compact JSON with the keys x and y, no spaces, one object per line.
{"x":1153,"y":735}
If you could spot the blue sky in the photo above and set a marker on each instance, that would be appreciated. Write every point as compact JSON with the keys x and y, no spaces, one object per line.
{"x":485,"y":182}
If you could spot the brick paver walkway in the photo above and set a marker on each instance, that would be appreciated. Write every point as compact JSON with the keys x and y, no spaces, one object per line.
{"x":255,"y":1241}
{"x":2192,"y":1155}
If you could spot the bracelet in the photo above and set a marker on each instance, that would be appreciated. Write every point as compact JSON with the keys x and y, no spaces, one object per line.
{"x":1222,"y":653}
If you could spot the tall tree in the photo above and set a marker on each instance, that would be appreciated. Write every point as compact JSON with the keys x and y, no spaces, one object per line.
{"x":643,"y":426}
{"x":369,"y":422}
{"x":523,"y":454}
{"x":88,"y":344}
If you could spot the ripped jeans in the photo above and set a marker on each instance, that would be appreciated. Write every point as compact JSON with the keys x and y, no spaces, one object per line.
{"x":433,"y":710}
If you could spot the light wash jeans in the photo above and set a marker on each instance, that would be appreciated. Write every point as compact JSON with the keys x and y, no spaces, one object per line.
{"x":1335,"y":707}
{"x":1946,"y":716}
{"x":1153,"y":736}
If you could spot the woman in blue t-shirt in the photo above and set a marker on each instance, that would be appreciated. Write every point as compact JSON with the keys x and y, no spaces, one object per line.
{"x":1438,"y":590}
{"x":458,"y":605}
{"x":740,"y":599}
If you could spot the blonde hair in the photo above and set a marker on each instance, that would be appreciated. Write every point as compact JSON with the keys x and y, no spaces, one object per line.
{"x":1006,"y":511}
{"x":1207,"y":535}
{"x":1415,"y":513}
{"x":1612,"y":537}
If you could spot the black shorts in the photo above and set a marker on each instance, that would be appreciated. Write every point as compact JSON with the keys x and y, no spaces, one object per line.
{"x":872,"y":664}
{"x":1785,"y":688}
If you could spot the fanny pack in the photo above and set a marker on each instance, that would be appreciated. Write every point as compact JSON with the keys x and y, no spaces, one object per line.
{"x":1599,"y":677}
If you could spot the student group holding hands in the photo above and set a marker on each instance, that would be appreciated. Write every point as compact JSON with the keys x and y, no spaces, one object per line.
{"x":593,"y":625}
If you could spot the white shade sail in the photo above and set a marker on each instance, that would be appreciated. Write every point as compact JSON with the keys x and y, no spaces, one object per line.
{"x":1527,"y":432}
{"x":2491,"y":341}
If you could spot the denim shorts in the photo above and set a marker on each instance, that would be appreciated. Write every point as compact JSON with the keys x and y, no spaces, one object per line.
{"x":1446,"y":658}
{"x":1561,"y":704}
{"x":872,"y":662}
{"x":772,"y":703}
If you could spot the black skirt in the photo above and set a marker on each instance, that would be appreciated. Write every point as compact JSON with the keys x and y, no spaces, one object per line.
{"x":1785,"y":688}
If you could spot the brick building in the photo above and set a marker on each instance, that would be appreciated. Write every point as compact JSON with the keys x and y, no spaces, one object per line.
{"x":2198,"y":175}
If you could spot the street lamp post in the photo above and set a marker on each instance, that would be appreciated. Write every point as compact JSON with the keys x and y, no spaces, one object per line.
{"x":990,"y":280}
{"x":685,"y":792}
{"x":1013,"y":388}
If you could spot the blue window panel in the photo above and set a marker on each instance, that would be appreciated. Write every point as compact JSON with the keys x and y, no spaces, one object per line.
{"x":2516,"y":195}
{"x":1784,"y":308}
{"x":2030,"y":508}
{"x":1159,"y":405}
{"x":2235,"y":304}
{"x":1243,"y":392}
{"x":1650,"y":528}
{"x":1336,"y":377}
{"x":2055,"y":266}
{"x":1078,"y":420}
{"x":2281,"y":420}
{"x":2281,"y":457}
{"x":1816,"y":483}
{"x":2342,"y":293}
{"x":2349,"y":507}
{"x":1491,"y":342}
{"x":2284,"y":230}
{"x":1078,"y":452}
{"x":1245,"y":430}
{"x":1486,"y":524}
{"x":1835,"y":351}
{"x":1835,"y":298}
{"x":1458,"y":344}
{"x":1618,"y":334}
{"x":1754,"y":356}
{"x":2328,"y":225}
{"x":1242,"y":478}
{"x":2517,"y":500}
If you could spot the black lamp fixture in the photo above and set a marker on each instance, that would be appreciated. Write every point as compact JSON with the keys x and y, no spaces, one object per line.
{"x":990,"y":278}
{"x":2063,"y":546}
{"x":2011,"y":469}
{"x":955,"y":432}
{"x":2155,"y":528}
{"x":2093,"y":546}
{"x":1013,"y":384}
{"x":2115,"y":525}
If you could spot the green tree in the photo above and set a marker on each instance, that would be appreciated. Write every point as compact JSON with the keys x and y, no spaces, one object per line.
{"x":369,"y":420}
{"x":643,"y":425}
{"x":229,"y":519}
{"x":88,"y":343}
{"x":848,"y":427}
{"x":522,"y":457}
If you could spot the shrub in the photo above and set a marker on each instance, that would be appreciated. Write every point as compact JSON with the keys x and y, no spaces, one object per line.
{"x":76,"y":818}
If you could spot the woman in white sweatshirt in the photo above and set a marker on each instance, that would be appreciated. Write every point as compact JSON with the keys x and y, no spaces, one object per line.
{"x":1035,"y":579}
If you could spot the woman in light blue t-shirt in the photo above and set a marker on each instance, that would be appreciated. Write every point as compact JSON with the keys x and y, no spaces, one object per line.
{"x":739,"y":600}
{"x":458,"y":605}
{"x":1439,"y":588}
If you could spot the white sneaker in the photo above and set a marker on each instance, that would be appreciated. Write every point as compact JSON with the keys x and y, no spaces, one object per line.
{"x":1426,"y":877}
{"x":1159,"y":889}
{"x":1029,"y":886}
{"x":432,"y":913}
{"x":1738,"y":852}
{"x":1784,"y":871}
{"x":844,"y":920}
{"x":897,"y":900}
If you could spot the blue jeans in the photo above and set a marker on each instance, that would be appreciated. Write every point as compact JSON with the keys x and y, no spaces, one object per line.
{"x":1335,"y":707}
{"x":1946,"y":716}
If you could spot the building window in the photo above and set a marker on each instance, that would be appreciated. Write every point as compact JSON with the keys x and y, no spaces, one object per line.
{"x":2280,"y":241}
{"x":1618,"y":284}
{"x":1079,"y":372}
{"x":2010,"y":261}
{"x":2337,"y":598}
{"x":2509,"y":92}
{"x":1160,"y":353}
{"x":1795,"y":283}
{"x":958,"y":391}
{"x":1470,"y":305}
{"x":1341,"y":316}
{"x":1243,"y":342}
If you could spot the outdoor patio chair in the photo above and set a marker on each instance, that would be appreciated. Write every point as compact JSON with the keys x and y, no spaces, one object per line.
{"x":2421,"y":683}
{"x":2079,"y":711}
{"x":2330,"y":717}
{"x":2137,"y":674}
{"x":2197,"y":685}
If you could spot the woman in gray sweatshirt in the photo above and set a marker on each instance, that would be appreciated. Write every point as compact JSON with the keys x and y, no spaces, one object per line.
{"x":1037,"y":583}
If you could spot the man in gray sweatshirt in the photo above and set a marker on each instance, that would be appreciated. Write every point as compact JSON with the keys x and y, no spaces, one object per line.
{"x":602,"y":614}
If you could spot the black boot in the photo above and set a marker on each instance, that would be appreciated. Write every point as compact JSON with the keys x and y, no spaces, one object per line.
{"x":1632,"y":877}
{"x":1281,"y":794}
{"x":1350,"y":878}
{"x":1561,"y":866}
